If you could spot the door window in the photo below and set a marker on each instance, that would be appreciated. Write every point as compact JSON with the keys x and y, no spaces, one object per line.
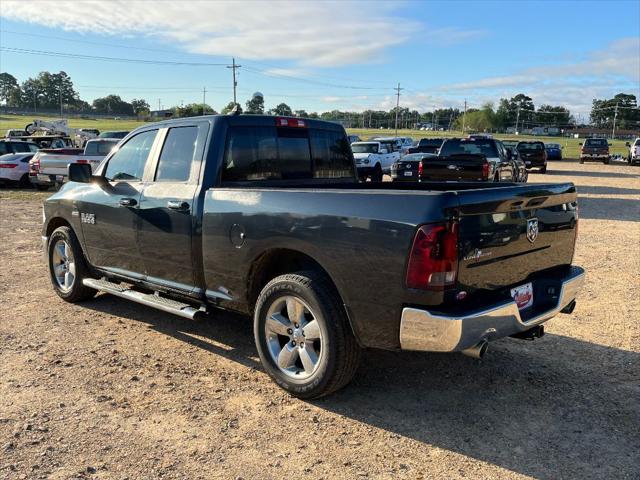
{"x":176,"y":158}
{"x":127,"y":164}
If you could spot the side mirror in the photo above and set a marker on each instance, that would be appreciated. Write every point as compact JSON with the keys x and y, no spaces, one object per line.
{"x":627,"y":144}
{"x":80,"y":172}
{"x":580,"y":144}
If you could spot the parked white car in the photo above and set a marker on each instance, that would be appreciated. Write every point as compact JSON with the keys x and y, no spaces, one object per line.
{"x":14,"y":168}
{"x":634,"y":152}
{"x":373,"y":159}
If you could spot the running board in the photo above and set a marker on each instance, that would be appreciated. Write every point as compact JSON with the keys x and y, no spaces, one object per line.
{"x":150,"y":299}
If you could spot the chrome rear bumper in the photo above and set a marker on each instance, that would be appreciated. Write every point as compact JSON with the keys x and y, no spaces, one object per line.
{"x":426,"y":331}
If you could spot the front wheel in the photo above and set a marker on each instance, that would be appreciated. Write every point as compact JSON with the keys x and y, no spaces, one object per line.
{"x":606,"y":161}
{"x":543,"y":169}
{"x":376,"y":176}
{"x":581,"y":161}
{"x":67,"y":267}
{"x":303,"y":335}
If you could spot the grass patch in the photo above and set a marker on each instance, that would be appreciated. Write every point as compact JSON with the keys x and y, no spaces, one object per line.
{"x":27,"y":194}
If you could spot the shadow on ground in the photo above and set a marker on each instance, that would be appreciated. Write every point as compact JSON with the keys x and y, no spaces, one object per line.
{"x":553,"y":408}
{"x":599,"y":208}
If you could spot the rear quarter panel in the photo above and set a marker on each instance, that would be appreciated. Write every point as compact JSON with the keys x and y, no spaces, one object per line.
{"x":360,"y":238}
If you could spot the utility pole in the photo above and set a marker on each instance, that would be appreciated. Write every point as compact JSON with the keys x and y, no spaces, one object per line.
{"x":517,"y":119}
{"x":397,"y":89}
{"x":35,"y":96}
{"x":159,"y":106}
{"x":615,"y":117}
{"x":464,"y":116}
{"x":233,"y":67}
{"x":204,"y":99}
{"x":60,"y":91}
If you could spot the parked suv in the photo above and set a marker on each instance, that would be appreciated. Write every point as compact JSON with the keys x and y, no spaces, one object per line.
{"x":595,"y":149}
{"x":17,"y":146}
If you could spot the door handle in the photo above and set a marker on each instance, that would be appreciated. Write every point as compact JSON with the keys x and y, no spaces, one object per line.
{"x":128,"y":202}
{"x":178,"y":205}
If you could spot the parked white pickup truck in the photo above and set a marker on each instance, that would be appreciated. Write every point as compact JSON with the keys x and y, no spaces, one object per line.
{"x":50,"y":168}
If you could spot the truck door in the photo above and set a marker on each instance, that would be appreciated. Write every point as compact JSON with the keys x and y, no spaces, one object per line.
{"x":166,"y":211}
{"x":108,"y":212}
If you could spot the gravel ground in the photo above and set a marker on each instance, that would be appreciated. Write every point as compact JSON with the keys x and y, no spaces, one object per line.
{"x":110,"y":389}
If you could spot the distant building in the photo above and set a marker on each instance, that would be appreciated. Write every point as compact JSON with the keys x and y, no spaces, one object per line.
{"x":161,"y":114}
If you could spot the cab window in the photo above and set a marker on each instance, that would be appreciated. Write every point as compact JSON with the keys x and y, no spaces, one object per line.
{"x":176,"y":158}
{"x":128,"y":163}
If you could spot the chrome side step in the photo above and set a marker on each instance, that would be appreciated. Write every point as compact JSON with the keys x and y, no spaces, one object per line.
{"x":151,"y":300}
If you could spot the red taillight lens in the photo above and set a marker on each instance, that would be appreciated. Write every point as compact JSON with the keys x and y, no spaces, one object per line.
{"x":420,"y":168}
{"x":433,"y":259}
{"x":82,"y":161}
{"x":290,"y":122}
{"x":485,"y":170}
{"x":8,"y":165}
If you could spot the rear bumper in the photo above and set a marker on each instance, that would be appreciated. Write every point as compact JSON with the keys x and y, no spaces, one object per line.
{"x":598,"y":156}
{"x":426,"y":331}
{"x":42,"y":179}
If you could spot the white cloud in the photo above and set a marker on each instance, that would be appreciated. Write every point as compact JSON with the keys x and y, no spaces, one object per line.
{"x":319,"y":33}
{"x":447,"y":36}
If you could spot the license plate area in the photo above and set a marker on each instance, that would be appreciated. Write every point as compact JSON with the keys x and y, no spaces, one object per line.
{"x":408,"y":174}
{"x":523,"y":295}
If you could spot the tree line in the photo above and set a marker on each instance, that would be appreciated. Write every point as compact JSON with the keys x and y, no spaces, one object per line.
{"x":53,"y":90}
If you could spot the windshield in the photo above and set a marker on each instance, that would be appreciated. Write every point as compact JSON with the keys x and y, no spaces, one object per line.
{"x":113,"y":134}
{"x":364,"y":147}
{"x":430,"y":142}
{"x":99,"y":148}
{"x":530,"y":146}
{"x":481,"y":146}
{"x":596,"y":142}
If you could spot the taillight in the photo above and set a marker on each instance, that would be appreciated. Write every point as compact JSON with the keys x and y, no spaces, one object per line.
{"x":82,"y":161}
{"x":433,"y":258}
{"x":420,"y":168}
{"x":485,"y":170}
{"x":290,"y":122}
{"x":8,"y":165}
{"x":34,"y":166}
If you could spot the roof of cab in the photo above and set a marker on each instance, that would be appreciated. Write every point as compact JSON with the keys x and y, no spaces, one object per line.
{"x":250,"y":120}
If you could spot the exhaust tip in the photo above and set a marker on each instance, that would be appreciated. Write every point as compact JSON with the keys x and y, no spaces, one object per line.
{"x":477,"y":351}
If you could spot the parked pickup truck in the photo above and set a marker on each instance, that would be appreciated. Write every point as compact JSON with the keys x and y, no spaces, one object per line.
{"x":265,"y":215}
{"x":427,"y":145}
{"x":595,"y":149}
{"x":50,"y":167}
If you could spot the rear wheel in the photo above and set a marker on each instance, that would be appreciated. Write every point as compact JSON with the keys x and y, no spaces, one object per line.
{"x":24,"y":181}
{"x":303,"y":336}
{"x":581,"y":160}
{"x":67,"y":267}
{"x":543,"y":169}
{"x":606,"y":161}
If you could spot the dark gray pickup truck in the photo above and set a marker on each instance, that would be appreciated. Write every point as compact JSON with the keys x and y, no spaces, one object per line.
{"x":264,"y":215}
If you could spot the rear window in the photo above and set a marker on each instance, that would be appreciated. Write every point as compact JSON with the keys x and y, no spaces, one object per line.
{"x":270,"y":153}
{"x":430,"y":142}
{"x":99,"y":148}
{"x":596,"y":142}
{"x":530,"y":146}
{"x":464,"y":146}
{"x":23,"y":147}
{"x":365,"y":148}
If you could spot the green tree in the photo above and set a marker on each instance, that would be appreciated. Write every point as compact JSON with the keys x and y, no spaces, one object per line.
{"x":555,"y":116}
{"x":9,"y":90}
{"x":228,"y":107}
{"x":112,"y":104}
{"x":507,"y":112}
{"x":193,"y":110}
{"x":48,"y":90}
{"x":139,"y":105}
{"x":282,"y":109}
{"x":301,"y":113}
{"x":255,"y":105}
{"x":603,"y":112}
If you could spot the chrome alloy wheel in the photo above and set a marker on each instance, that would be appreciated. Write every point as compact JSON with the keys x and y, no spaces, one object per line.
{"x":63,"y":264}
{"x":293,"y":337}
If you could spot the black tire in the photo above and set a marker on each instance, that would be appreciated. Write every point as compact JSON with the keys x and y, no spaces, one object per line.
{"x":376,"y":176}
{"x":581,"y":160}
{"x":340,"y":353}
{"x":543,"y":169}
{"x":42,"y":188}
{"x":24,"y":181}
{"x":496,"y":178}
{"x":77,"y":291}
{"x":606,"y":161}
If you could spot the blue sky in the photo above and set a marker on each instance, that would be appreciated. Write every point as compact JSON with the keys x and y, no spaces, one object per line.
{"x":325,"y":55}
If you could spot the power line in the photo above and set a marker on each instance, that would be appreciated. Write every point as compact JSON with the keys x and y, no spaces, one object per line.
{"x":108,"y":59}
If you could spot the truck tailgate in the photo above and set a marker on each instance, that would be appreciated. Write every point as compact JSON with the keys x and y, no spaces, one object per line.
{"x":453,"y":168}
{"x":509,"y":235}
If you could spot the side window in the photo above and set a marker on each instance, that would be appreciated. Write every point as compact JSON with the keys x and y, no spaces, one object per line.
{"x":128,"y":162}
{"x":20,"y":147}
{"x":176,"y":158}
{"x":3,"y":148}
{"x":33,"y":147}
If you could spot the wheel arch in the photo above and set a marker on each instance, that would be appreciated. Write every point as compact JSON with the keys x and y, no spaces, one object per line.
{"x":279,"y":261}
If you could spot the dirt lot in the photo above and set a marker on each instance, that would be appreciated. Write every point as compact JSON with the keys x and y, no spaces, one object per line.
{"x":110,"y":389}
